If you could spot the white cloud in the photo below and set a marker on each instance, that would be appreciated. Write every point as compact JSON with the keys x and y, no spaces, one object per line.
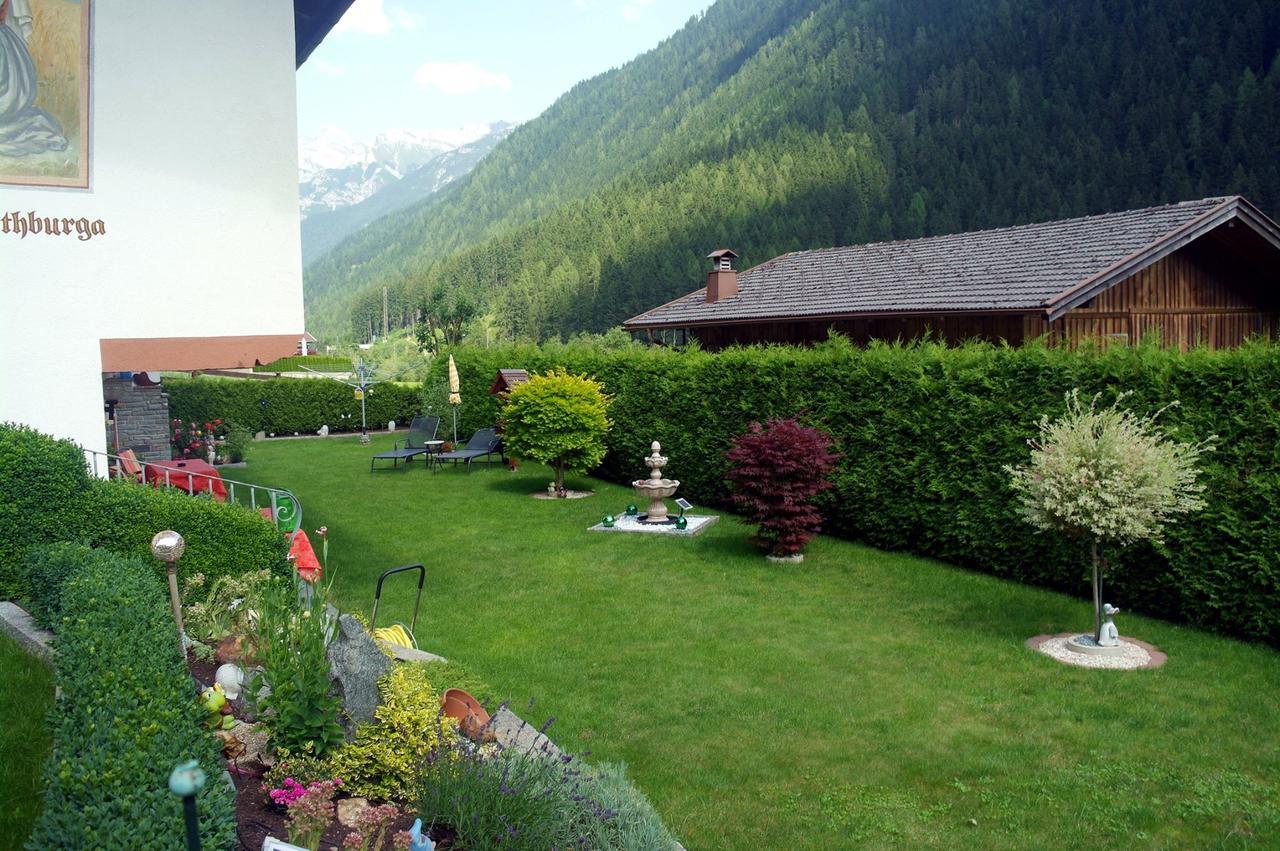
{"x":404,"y":19}
{"x":365,"y":16}
{"x":631,"y":11}
{"x":373,"y":17}
{"x":459,"y":78}
{"x":326,"y":68}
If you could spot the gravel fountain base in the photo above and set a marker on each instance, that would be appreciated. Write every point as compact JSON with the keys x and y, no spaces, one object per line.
{"x":632,"y":523}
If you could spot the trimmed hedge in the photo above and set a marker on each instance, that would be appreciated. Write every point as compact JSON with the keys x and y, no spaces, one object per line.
{"x":292,"y":404}
{"x":126,"y":715}
{"x":320,"y":363}
{"x":924,"y":430}
{"x":49,"y":566}
{"x":222,"y":538}
{"x":41,"y":480}
{"x":46,"y":495}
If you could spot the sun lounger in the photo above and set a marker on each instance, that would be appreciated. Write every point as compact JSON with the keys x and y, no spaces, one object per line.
{"x":420,"y":441}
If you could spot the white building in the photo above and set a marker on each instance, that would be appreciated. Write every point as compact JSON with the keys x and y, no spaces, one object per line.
{"x":183,"y":251}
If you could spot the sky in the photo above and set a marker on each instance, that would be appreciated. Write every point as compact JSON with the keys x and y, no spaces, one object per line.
{"x":428,"y":64}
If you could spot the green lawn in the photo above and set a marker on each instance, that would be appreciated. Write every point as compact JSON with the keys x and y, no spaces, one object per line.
{"x":861,"y":698}
{"x":26,"y":690}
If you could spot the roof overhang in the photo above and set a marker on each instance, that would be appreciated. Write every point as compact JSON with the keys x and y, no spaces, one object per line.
{"x":1233,"y":209}
{"x":636,"y":324}
{"x":312,"y":20}
{"x":141,"y":354}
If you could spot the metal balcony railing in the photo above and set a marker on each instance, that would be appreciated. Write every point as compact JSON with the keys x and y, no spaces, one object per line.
{"x":286,"y":510}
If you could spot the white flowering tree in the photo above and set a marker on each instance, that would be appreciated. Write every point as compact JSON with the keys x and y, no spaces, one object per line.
{"x":1108,"y":476}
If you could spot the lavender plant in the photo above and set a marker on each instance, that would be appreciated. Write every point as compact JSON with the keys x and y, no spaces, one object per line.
{"x":1108,"y":476}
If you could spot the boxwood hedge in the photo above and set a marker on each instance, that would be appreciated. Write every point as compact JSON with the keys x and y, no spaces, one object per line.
{"x":924,"y":430}
{"x":288,"y":405}
{"x":221,"y":538}
{"x":41,"y":481}
{"x":46,"y":496}
{"x":126,"y":715}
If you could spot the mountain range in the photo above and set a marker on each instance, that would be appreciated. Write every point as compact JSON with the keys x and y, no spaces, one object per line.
{"x":344,"y":185}
{"x":774,"y":125}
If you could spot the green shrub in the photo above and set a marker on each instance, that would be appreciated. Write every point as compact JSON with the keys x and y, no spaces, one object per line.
{"x":387,"y":754}
{"x":924,"y":432}
{"x":126,"y":716}
{"x":223,"y":539}
{"x":635,"y":824}
{"x":290,"y":641}
{"x":292,"y":404}
{"x":557,"y":419}
{"x":42,"y":483}
{"x":48,"y":569}
{"x":535,"y":801}
{"x":235,"y":446}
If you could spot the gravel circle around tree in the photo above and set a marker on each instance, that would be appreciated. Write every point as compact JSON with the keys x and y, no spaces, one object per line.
{"x":1135,"y":654}
{"x":568,"y":494}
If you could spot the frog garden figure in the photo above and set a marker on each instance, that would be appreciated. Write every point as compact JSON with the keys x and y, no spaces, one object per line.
{"x":214,"y":701}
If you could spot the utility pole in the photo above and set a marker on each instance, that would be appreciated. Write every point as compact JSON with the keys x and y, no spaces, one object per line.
{"x":384,"y":311}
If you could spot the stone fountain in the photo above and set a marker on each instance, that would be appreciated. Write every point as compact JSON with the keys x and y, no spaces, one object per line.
{"x":655,"y":488}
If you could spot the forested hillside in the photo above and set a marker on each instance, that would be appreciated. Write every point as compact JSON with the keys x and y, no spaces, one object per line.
{"x":775,"y":125}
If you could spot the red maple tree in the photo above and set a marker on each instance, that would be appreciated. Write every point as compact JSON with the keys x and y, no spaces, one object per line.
{"x":777,"y":470}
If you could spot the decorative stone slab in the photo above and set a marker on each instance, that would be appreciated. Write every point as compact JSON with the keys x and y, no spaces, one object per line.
{"x":408,"y":654}
{"x":356,"y":664}
{"x":20,"y":626}
{"x":1134,"y":653}
{"x":512,"y":731}
{"x":698,"y":523}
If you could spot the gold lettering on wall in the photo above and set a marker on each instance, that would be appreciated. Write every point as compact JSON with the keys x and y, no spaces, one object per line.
{"x":23,"y":225}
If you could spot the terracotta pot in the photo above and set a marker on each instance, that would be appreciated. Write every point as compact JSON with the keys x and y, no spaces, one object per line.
{"x":473,"y":720}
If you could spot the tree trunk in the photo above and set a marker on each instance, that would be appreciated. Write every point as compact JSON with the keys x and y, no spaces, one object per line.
{"x":560,"y":480}
{"x":1097,"y":593}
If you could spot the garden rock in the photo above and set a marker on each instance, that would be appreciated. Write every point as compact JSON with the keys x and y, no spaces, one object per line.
{"x":512,"y":731}
{"x":356,"y":663}
{"x":256,"y":743}
{"x":349,"y":810}
{"x":232,"y":649}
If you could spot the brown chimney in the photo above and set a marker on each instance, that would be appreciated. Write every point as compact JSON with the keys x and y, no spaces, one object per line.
{"x":722,"y":280}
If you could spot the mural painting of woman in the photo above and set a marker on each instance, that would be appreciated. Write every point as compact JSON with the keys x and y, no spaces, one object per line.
{"x":25,"y":129}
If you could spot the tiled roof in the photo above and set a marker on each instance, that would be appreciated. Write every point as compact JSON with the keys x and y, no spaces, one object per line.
{"x":1027,"y":267}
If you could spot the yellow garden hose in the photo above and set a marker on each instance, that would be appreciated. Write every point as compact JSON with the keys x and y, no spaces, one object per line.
{"x":396,"y":634}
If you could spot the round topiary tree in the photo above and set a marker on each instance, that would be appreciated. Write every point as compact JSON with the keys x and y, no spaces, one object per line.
{"x":1107,"y":476}
{"x":557,"y":419}
{"x":777,"y":470}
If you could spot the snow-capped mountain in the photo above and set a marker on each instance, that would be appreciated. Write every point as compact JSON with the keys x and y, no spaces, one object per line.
{"x":390,"y":174}
{"x":335,"y":170}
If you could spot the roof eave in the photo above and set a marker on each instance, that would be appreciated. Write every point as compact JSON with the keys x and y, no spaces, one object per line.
{"x":1235,"y":207}
{"x":635,"y":325}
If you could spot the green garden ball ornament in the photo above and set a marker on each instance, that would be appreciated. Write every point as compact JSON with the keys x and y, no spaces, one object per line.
{"x":608,"y":521}
{"x":632,"y":511}
{"x":682,"y":523}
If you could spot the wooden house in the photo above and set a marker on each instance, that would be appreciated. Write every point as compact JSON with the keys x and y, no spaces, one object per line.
{"x":1198,"y":272}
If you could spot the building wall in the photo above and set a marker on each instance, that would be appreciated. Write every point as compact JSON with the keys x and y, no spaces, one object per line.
{"x":141,"y":418}
{"x":194,"y":174}
{"x":1202,"y":294}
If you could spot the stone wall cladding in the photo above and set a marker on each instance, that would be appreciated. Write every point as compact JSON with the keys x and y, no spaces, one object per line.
{"x":142,"y":418}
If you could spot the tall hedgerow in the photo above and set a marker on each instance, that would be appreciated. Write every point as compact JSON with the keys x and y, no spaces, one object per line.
{"x":926,"y":430}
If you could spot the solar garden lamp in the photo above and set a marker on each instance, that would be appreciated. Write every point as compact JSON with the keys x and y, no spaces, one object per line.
{"x":168,"y":546}
{"x":185,"y":781}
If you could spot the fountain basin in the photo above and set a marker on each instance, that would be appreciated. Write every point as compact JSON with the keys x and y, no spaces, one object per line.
{"x":655,"y":490}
